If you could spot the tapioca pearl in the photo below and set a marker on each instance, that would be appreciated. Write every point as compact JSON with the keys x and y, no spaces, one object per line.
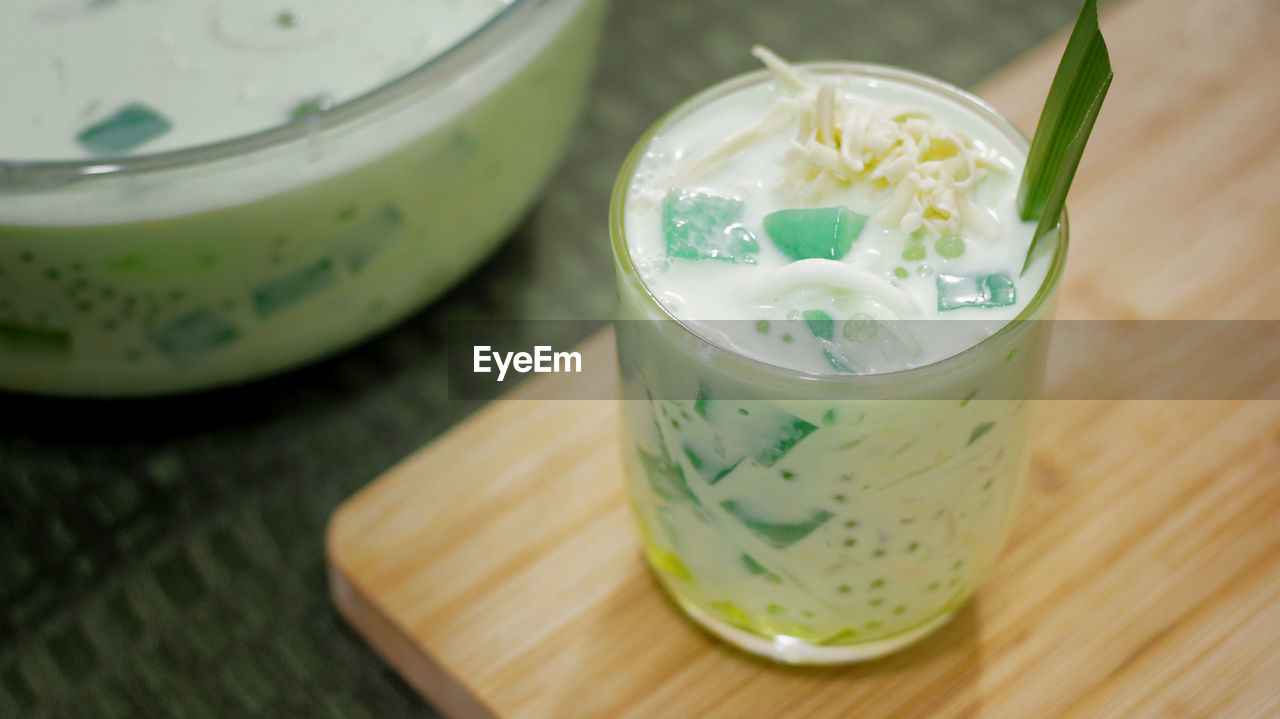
{"x":949,"y":246}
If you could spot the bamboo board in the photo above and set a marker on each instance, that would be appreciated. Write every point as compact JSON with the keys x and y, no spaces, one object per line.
{"x":498,"y":571}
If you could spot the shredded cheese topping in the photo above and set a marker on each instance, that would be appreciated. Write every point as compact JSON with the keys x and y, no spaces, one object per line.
{"x":923,"y":170}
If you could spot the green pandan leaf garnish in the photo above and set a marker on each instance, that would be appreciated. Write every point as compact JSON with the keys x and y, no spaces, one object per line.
{"x":1070,"y":110}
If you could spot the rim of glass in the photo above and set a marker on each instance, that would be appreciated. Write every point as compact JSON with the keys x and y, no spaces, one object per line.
{"x":622,"y":253}
{"x":461,"y":54}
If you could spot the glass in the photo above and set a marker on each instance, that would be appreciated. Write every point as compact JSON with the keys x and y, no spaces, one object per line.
{"x":214,"y":264}
{"x":871,"y":505}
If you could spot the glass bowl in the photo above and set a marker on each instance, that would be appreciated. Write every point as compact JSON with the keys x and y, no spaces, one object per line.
{"x":209,"y":265}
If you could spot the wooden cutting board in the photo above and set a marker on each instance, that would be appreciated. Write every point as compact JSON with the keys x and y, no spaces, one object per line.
{"x":498,"y":571}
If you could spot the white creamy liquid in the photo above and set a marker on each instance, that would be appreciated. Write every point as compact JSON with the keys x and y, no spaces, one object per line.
{"x":872,"y":281}
{"x":214,"y":69}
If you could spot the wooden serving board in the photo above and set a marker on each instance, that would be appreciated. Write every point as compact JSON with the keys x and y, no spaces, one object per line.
{"x":498,"y":570}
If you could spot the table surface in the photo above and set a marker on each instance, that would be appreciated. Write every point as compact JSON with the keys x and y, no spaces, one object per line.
{"x":165,"y":557}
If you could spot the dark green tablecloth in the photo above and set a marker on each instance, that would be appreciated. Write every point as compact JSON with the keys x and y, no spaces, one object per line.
{"x":164,"y":558}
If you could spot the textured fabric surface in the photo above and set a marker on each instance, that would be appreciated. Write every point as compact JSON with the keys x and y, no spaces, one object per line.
{"x":165,"y":558}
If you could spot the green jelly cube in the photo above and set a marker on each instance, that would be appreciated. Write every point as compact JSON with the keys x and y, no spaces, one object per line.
{"x":702,"y":226}
{"x":752,"y":430}
{"x":287,"y":290}
{"x":784,"y":438}
{"x":980,"y":430}
{"x":838,"y":362}
{"x":30,"y":338}
{"x":955,"y":291}
{"x":711,"y":467}
{"x":820,"y":324}
{"x":131,"y":126}
{"x":700,"y":404}
{"x":666,"y":478}
{"x":825,"y":232}
{"x":754,"y":567}
{"x":366,"y":236}
{"x":778,"y":534}
{"x":194,"y":334}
